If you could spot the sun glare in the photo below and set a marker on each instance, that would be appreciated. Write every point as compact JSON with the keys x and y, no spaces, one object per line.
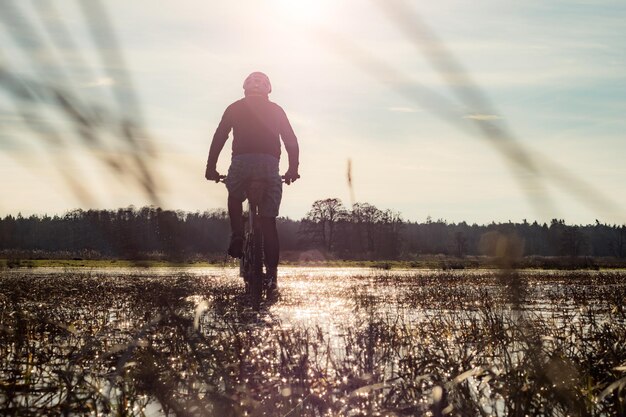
{"x":302,"y":11}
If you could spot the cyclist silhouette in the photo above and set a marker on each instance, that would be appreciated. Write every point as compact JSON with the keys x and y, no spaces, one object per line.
{"x":258,"y":125}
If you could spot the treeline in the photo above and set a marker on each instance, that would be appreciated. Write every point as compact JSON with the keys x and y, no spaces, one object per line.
{"x":124,"y":233}
{"x":360,"y":232}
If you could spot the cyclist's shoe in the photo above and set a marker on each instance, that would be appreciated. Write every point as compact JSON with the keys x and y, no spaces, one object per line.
{"x":235,"y":249}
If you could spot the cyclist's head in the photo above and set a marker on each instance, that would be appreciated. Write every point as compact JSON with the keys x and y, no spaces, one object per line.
{"x":257,"y":83}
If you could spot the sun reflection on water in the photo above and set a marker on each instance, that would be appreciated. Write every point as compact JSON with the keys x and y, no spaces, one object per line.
{"x":334,"y":342}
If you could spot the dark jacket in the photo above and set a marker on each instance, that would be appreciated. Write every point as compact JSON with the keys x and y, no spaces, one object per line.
{"x":258,"y":125}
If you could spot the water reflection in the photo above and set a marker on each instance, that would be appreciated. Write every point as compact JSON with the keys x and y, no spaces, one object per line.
{"x":334,"y":342}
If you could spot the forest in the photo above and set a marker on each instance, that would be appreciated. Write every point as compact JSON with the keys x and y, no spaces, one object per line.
{"x":362,"y":232}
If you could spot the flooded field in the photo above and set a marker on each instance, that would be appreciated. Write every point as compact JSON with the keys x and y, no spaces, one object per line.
{"x":347,"y":342}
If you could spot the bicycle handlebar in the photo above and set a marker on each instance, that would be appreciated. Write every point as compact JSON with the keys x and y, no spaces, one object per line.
{"x":282,"y":178}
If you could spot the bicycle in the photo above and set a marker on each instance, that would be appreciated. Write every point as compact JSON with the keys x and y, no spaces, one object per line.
{"x":252,"y":261}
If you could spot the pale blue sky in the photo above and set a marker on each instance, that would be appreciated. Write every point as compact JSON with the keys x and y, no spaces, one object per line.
{"x":555,"y":72}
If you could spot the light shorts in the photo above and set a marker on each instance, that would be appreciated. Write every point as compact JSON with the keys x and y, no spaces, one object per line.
{"x":247,"y":167}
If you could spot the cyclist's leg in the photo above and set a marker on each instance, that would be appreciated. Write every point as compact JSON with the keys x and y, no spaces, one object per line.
{"x":236,"y":181}
{"x":271,"y":248}
{"x":235,"y":212}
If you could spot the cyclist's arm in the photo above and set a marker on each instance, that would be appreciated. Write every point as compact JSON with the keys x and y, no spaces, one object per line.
{"x":219,"y":139}
{"x":291,"y":142}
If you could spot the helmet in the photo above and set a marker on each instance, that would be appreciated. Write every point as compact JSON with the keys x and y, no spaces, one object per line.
{"x":257,"y":82}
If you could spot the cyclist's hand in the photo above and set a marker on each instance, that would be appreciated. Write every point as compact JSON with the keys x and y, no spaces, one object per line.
{"x":291,"y":176}
{"x":211,"y":174}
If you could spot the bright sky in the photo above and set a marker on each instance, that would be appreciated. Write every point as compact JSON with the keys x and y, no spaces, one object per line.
{"x":352,"y":82}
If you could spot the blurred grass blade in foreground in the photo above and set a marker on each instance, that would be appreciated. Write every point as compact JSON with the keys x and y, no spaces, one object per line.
{"x":57,"y":116}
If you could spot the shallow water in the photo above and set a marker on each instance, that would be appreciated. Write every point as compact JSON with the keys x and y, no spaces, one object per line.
{"x":311,"y":296}
{"x":331,"y":333}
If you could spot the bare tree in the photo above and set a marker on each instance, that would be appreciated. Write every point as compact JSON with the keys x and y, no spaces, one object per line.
{"x":364,"y":217}
{"x":321,"y":221}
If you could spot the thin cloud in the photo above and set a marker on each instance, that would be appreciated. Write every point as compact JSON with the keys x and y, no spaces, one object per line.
{"x":404,"y":110}
{"x":482,"y":117}
{"x":100,"y":82}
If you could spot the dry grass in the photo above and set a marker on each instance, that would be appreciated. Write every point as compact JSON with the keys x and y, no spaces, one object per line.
{"x":438,"y":344}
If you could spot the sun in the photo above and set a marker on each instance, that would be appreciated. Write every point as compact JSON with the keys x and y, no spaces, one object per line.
{"x":302,"y":11}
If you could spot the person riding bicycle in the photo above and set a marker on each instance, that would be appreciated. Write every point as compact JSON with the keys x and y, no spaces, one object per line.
{"x":258,"y":125}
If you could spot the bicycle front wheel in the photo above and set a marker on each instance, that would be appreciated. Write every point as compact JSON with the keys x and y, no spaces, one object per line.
{"x":256,"y":273}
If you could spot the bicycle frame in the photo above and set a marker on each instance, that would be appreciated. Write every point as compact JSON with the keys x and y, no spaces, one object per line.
{"x":252,"y":262}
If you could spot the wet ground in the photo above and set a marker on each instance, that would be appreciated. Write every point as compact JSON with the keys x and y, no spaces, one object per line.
{"x":333,"y":342}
